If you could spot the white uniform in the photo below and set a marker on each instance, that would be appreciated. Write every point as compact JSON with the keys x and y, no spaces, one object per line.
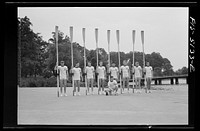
{"x":112,"y":84}
{"x":90,"y":72}
{"x":137,"y":71}
{"x":101,"y":71}
{"x":77,"y":73}
{"x":62,"y":71}
{"x":113,"y":71}
{"x":148,"y":71}
{"x":125,"y":72}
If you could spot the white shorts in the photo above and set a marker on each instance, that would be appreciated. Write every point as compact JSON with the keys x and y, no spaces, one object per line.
{"x":137,"y":78}
{"x":90,"y":77}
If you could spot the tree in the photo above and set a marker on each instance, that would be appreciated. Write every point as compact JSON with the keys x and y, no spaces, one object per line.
{"x":167,"y":67}
{"x":157,"y":72}
{"x":32,"y":48}
{"x":182,"y":71}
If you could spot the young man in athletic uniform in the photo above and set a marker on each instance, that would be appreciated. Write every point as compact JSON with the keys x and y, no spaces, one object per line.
{"x":137,"y":71}
{"x":101,"y":70}
{"x":90,"y":76}
{"x":112,"y":86}
{"x":63,"y":77}
{"x":148,"y":75}
{"x":77,"y":76}
{"x":124,"y":69}
{"x":114,"y":72}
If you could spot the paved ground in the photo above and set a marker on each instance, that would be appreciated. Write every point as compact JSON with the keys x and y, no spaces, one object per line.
{"x":42,"y":106}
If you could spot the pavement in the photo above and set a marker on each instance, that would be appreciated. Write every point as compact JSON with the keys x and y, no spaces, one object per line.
{"x":165,"y":105}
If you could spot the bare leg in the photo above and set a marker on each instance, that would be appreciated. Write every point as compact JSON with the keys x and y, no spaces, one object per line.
{"x":99,"y":86}
{"x":88,"y":85}
{"x":65,"y":86}
{"x":103,"y":85}
{"x":78,"y":84}
{"x":128,"y":84}
{"x":123,"y":84}
{"x":91,"y":82}
{"x":75,"y":87}
{"x":137,"y":84}
{"x":61,"y":86}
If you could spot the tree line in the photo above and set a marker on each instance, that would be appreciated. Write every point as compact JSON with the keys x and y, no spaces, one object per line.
{"x":38,"y":57}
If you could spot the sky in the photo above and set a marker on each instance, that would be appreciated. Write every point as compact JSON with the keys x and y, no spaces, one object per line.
{"x":165,"y":28}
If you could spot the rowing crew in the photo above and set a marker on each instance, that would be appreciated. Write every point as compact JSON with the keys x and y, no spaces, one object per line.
{"x":124,"y":72}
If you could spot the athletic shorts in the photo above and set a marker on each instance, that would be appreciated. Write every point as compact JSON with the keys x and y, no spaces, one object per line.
{"x":148,"y":78}
{"x":90,"y":80}
{"x":125,"y":78}
{"x":76,"y":82}
{"x":63,"y":82}
{"x":137,"y":78}
{"x":101,"y":80}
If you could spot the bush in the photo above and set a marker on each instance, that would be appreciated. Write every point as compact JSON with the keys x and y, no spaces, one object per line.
{"x":51,"y":82}
{"x":38,"y":82}
{"x":47,"y":73}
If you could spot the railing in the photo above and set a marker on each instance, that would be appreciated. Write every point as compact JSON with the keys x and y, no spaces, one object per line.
{"x":158,"y":80}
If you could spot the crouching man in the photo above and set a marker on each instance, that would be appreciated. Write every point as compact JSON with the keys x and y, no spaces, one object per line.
{"x":112,"y":87}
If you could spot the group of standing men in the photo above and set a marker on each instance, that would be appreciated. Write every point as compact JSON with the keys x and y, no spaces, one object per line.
{"x":114,"y":74}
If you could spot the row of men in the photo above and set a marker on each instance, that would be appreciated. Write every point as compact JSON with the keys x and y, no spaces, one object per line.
{"x":113,"y":72}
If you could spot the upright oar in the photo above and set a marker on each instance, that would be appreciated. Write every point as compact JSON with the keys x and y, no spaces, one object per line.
{"x":117,"y":34}
{"x":142,"y":36}
{"x":83,"y":32}
{"x":56,"y":40}
{"x":97,"y":53}
{"x":108,"y":37}
{"x":133,"y":36}
{"x":72,"y":56}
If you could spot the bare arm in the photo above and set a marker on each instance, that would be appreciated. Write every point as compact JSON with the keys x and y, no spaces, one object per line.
{"x":67,"y":74}
{"x":93,"y":73}
{"x":105,"y":73}
{"x":141,"y":71}
{"x":81,"y":74}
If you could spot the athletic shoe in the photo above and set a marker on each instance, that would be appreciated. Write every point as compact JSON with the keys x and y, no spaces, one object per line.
{"x":61,"y":94}
{"x":74,"y":94}
{"x":66,"y":94}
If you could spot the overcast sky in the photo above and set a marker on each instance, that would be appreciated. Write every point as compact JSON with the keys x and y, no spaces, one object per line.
{"x":165,"y":28}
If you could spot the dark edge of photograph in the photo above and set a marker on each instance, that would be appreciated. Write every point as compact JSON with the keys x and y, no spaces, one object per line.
{"x":10,"y":65}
